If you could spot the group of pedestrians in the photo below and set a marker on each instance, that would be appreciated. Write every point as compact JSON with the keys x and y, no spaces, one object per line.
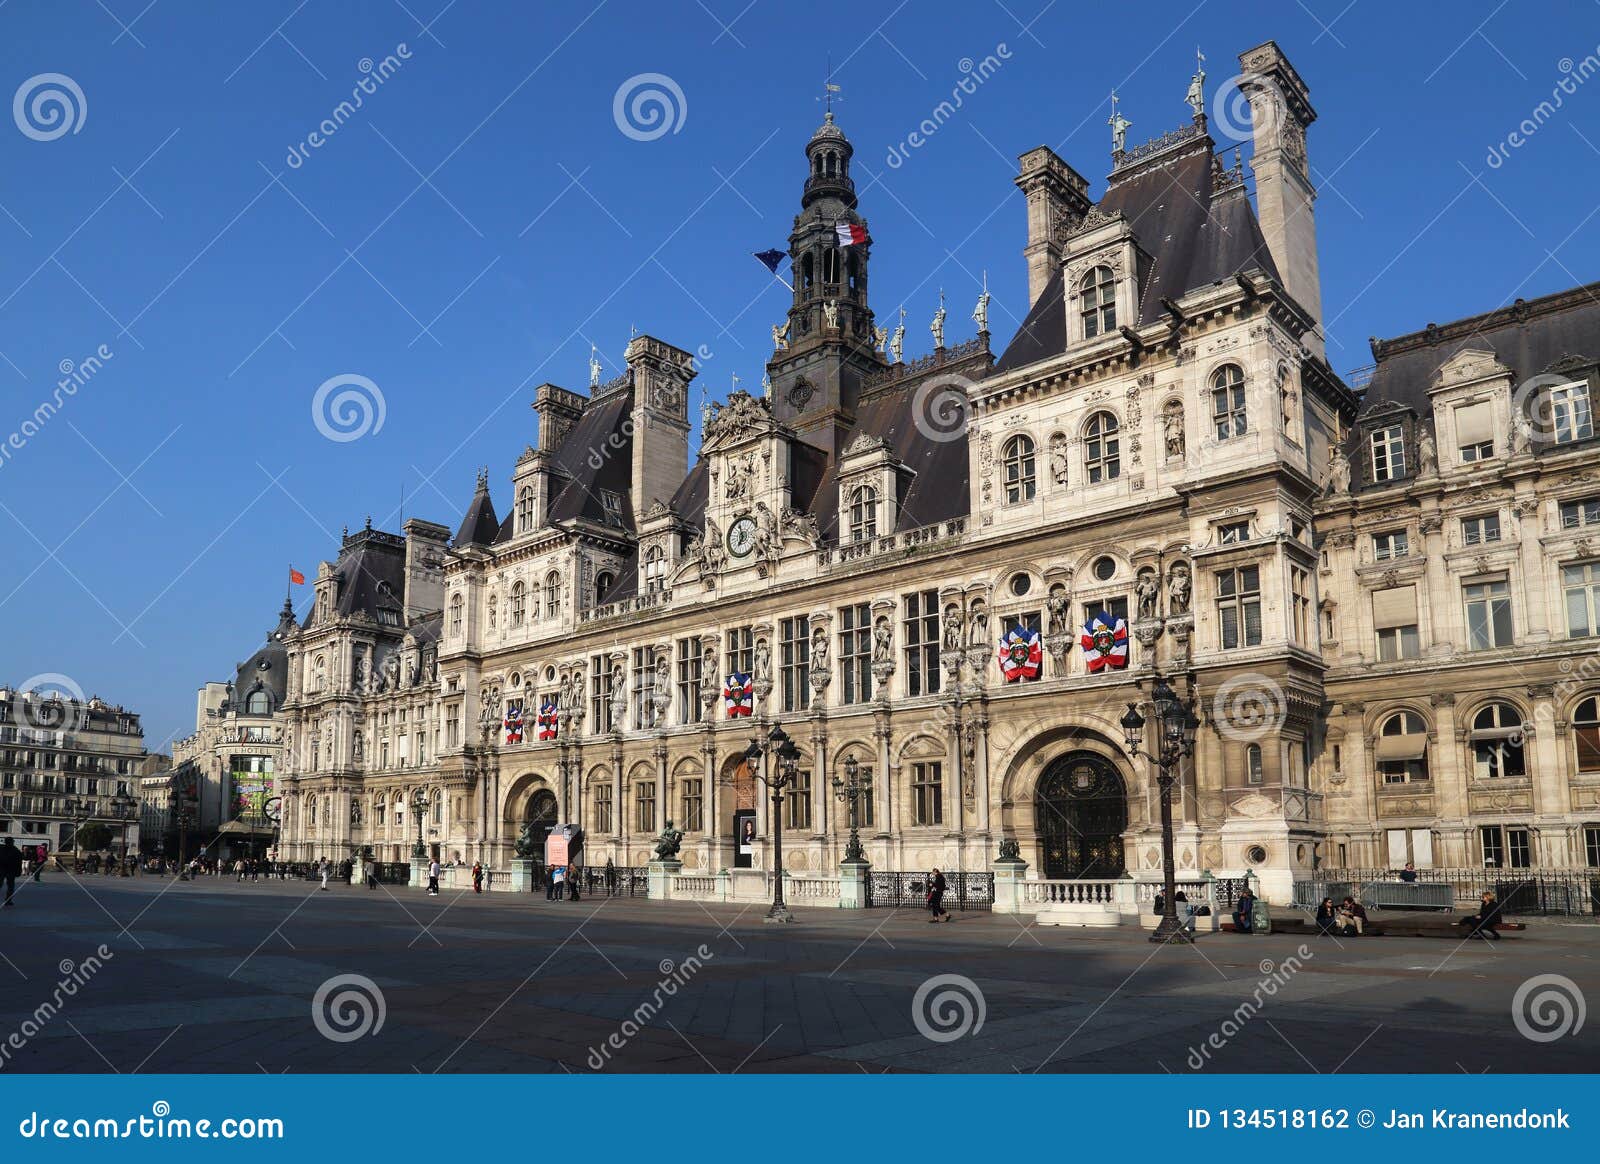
{"x":1348,"y":919}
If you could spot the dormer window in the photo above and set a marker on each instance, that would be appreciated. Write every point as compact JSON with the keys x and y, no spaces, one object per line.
{"x":1570,"y":417}
{"x":655,"y":570}
{"x":525,"y":509}
{"x":1475,"y":432}
{"x":1020,"y":470}
{"x":863,"y":513}
{"x":1227,"y":401}
{"x":1102,"y":459}
{"x":1098,"y":292}
{"x":611,"y":502}
{"x":1388,"y":453}
{"x":602,"y":583}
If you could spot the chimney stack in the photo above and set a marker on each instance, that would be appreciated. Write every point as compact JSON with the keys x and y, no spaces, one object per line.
{"x":1057,"y":196}
{"x":660,"y":375}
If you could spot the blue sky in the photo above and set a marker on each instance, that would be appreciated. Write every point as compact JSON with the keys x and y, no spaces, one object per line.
{"x":482,"y":218}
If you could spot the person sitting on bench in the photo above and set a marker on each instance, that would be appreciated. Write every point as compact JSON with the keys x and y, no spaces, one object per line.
{"x":1352,"y":916}
{"x":1328,"y":919}
{"x":1244,"y":912}
{"x":1483,"y":922}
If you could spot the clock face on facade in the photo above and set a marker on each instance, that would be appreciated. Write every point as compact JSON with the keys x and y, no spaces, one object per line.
{"x":742,"y":537}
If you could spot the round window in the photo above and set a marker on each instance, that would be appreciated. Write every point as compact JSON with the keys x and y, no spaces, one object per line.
{"x":549,"y":674}
{"x":516,"y":679}
{"x":1255,"y":855}
{"x":1020,"y":584}
{"x":1105,"y":569}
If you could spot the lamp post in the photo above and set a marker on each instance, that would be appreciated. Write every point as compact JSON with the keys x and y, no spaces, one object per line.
{"x":777,"y":777}
{"x":80,"y":811}
{"x":419,"y":806}
{"x":123,"y":807}
{"x":1175,"y":724}
{"x":272,"y":808}
{"x":850,"y":790}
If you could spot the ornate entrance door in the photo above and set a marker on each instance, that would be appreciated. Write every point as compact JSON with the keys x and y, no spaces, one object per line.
{"x":1080,"y":812}
{"x":541,"y":818}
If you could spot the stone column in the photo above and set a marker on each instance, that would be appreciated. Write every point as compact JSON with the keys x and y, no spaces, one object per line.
{"x":980,"y":727}
{"x":658,"y":753}
{"x":1537,"y":615}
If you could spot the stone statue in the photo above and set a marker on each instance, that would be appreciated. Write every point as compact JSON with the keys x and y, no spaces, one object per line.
{"x":761,"y":664}
{"x":619,"y":697}
{"x":1148,"y":589}
{"x":819,"y":656}
{"x":1119,"y":127}
{"x":391,"y":672}
{"x":527,"y":847}
{"x":937,"y":326}
{"x":1338,"y":471}
{"x":830,"y":314}
{"x":1178,"y":586}
{"x":1521,"y":437}
{"x":594,"y":367}
{"x":952,"y":630}
{"x":1058,"y":458}
{"x":980,"y":313}
{"x":897,"y":342}
{"x":668,"y":843}
{"x":1058,"y":608}
{"x":1172,"y":430}
{"x":1427,"y":453}
{"x":780,"y":336}
{"x":661,"y":689}
{"x":978,"y":624}
{"x":880,"y":336}
{"x":882,"y":642}
{"x":708,"y":667}
{"x":1196,"y":97}
{"x":360,"y":747}
{"x":737,"y":483}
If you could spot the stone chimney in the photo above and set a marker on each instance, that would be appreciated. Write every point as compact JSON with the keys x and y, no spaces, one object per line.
{"x":1057,"y":196}
{"x":558,"y":411}
{"x":1280,"y":111}
{"x":660,"y":375}
{"x":426,"y":544}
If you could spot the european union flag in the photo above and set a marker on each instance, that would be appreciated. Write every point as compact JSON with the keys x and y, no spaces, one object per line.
{"x":771,"y":259}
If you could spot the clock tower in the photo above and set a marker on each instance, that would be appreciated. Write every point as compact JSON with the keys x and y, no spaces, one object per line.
{"x":828,"y":347}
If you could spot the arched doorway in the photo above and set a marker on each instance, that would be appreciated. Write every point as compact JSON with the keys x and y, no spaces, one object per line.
{"x":540,"y":817}
{"x":1080,"y":812}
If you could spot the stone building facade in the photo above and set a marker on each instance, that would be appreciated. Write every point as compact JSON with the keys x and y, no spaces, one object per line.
{"x":1153,"y":478}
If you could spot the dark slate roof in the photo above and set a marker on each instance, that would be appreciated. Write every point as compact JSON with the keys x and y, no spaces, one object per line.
{"x":268,"y":668}
{"x":689,"y":502}
{"x":1528,"y":337}
{"x":1195,"y":222}
{"x":597,"y":454}
{"x":371,"y":568}
{"x":479,"y":527}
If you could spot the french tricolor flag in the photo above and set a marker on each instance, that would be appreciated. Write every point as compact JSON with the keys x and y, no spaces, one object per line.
{"x":850,"y":234}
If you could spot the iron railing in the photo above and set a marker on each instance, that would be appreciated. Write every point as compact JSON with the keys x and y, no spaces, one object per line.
{"x":630,"y":881}
{"x":899,"y":890}
{"x":1558,"y":892}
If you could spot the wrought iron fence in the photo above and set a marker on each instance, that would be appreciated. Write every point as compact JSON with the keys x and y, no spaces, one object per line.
{"x":630,"y":881}
{"x":391,"y":872}
{"x":1556,"y":892}
{"x":965,"y":890}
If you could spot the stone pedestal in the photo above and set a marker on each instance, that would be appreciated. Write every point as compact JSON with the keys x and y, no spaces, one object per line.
{"x":522,"y":875}
{"x":358,"y":870}
{"x":1008,"y":875}
{"x":853,"y":884}
{"x":419,"y":873}
{"x":659,"y":878}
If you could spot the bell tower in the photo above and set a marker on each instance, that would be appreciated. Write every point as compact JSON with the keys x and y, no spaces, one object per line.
{"x":829,"y":347}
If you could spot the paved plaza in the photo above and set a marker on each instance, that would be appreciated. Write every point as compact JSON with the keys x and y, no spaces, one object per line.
{"x":214,"y":976}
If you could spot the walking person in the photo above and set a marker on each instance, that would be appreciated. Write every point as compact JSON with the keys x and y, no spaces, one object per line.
{"x":324,"y":871}
{"x":38,"y":863}
{"x":611,"y":877}
{"x":433,"y":877}
{"x":10,"y":868}
{"x":477,"y":877}
{"x":936,"y":892}
{"x":574,"y":875}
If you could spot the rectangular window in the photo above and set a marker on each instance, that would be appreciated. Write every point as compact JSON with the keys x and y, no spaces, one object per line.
{"x":1569,"y":412}
{"x":794,"y":661}
{"x":1591,"y":844}
{"x":1506,"y":846}
{"x":644,"y":801}
{"x":1227,"y":409}
{"x":1494,"y":849}
{"x":642,"y":688}
{"x":690,"y":708}
{"x":693,"y":806}
{"x":740,"y":654}
{"x":927,"y":793}
{"x":855,"y":653}
{"x":797,"y":802}
{"x":1389,"y":545}
{"x":1300,"y":605}
{"x":1581,"y":586}
{"x":1394,"y":618}
{"x":602,"y":807}
{"x":1233,"y":532}
{"x":1488,"y":614}
{"x":1585,"y":511}
{"x":599,"y":694}
{"x":1239,"y":607}
{"x":920,"y":633}
{"x":1388,"y":454}
{"x":1481,"y":530}
{"x":1475,"y":432}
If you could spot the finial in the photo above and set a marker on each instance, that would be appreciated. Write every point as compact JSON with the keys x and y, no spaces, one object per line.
{"x":735,"y":382}
{"x":483,"y":479}
{"x":828,"y":91}
{"x":369,"y":523}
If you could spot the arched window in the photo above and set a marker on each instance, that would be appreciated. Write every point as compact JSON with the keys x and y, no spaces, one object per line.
{"x":552,"y":595}
{"x":1497,"y":742}
{"x":525,"y":509}
{"x":379,"y":806}
{"x":645,"y":806}
{"x":1227,"y":401}
{"x":258,"y":702}
{"x":319,"y":677}
{"x":519,"y":604}
{"x":807,"y":270}
{"x":1102,"y":459}
{"x":456,"y":605}
{"x":1254,"y":770}
{"x":1098,"y":292}
{"x":655,"y":570}
{"x":830,"y":265}
{"x":863,"y":513}
{"x":1018,"y":463}
{"x":1586,"y":731}
{"x":602,"y":583}
{"x":1285,"y":399}
{"x":438,"y":807}
{"x":1402,"y":748}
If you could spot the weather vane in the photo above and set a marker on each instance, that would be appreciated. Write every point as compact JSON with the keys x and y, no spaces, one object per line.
{"x":830,"y":90}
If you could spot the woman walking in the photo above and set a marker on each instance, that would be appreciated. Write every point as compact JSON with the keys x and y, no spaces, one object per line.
{"x":936,"y":891}
{"x":477,"y":877}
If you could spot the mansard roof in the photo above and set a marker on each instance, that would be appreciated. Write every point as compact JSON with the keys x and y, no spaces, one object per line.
{"x":479,"y":527}
{"x":371,"y":567}
{"x":597,"y":454}
{"x":1189,"y":214}
{"x":268,"y":668}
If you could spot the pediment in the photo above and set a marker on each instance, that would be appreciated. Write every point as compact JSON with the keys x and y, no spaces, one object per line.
{"x":1468,"y":366}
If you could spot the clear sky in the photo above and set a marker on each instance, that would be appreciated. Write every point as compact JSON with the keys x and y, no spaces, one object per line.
{"x":481,"y":219}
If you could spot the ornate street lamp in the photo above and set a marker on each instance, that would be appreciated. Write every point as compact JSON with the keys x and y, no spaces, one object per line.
{"x":80,"y":811}
{"x":778,"y":777}
{"x":851,"y":789}
{"x":124,"y":808}
{"x":1175,"y":724}
{"x":419,"y":806}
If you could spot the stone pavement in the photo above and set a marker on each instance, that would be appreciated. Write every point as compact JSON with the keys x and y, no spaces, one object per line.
{"x":214,"y":976}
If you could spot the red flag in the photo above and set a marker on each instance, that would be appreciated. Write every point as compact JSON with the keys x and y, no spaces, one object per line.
{"x":296,"y":577}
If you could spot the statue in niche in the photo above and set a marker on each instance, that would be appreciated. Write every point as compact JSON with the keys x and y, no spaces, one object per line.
{"x":1058,"y":609}
{"x":1172,"y":430}
{"x":882,"y":642}
{"x":1147,"y":588}
{"x":1338,"y":471}
{"x":952,"y":629}
{"x":761,"y":663}
{"x":619,"y":697}
{"x":830,"y":314}
{"x":978,"y":624}
{"x":1427,"y":454}
{"x":1058,"y":458}
{"x":1178,"y":588}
